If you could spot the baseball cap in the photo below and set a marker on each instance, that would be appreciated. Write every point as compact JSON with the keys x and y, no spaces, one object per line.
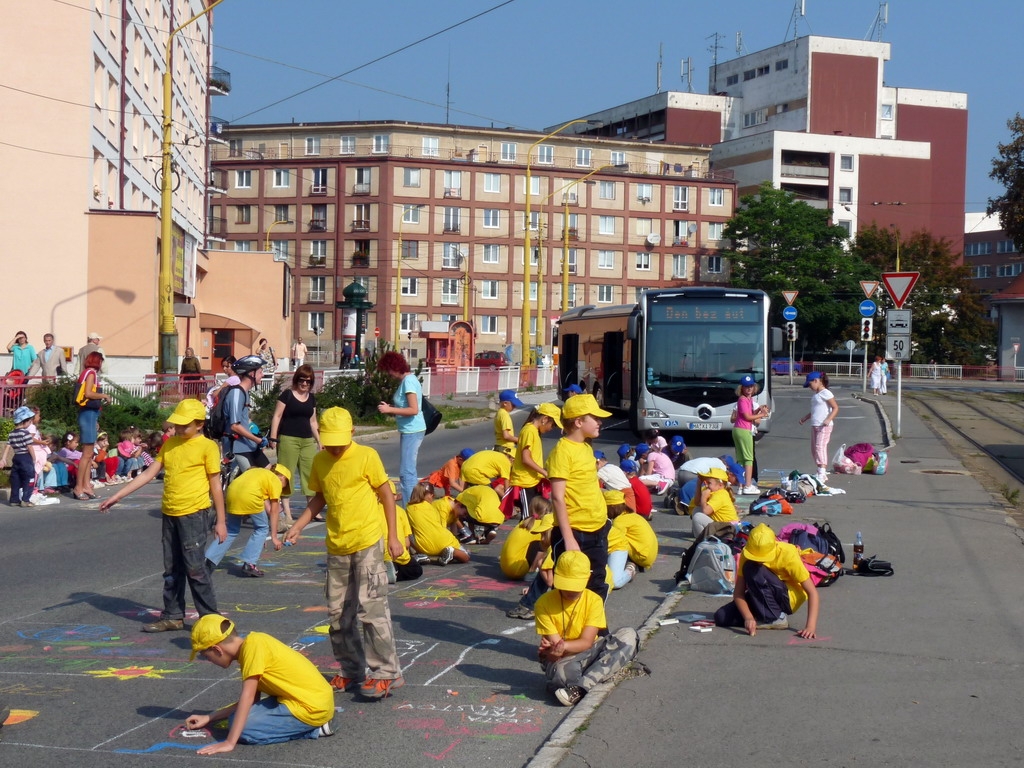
{"x":283,"y":471}
{"x":761,"y":544}
{"x":583,"y":405}
{"x":717,"y":473}
{"x":642,"y":448}
{"x":208,"y":631}
{"x":187,"y":411}
{"x":677,"y":443}
{"x":93,"y":335}
{"x":335,"y":427}
{"x":811,"y":377}
{"x":574,"y":389}
{"x":629,"y":466}
{"x":509,"y":396}
{"x":465,"y":453}
{"x":552,"y":411}
{"x":572,"y":571}
{"x":747,"y":381}
{"x":623,"y":450}
{"x":599,"y":455}
{"x":544,"y":524}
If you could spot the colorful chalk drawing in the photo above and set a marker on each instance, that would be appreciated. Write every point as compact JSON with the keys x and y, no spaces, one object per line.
{"x":20,"y":716}
{"x":442,"y":592}
{"x":131,"y":673}
{"x":23,"y":689}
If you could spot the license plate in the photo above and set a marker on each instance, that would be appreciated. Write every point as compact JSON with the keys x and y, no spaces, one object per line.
{"x":705,"y":426}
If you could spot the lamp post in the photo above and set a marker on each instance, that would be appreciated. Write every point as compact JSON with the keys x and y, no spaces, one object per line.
{"x":398,"y":273}
{"x":168,"y":348}
{"x":526,"y":336}
{"x":266,"y":240}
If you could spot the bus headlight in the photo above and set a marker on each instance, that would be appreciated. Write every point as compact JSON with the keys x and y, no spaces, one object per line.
{"x":653,"y":413}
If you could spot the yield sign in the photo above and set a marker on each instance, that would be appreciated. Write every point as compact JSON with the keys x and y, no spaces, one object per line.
{"x":790,"y":296}
{"x":899,"y":285}
{"x":869,"y":287}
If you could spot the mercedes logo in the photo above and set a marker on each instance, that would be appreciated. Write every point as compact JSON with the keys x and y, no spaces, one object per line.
{"x":705,"y":412}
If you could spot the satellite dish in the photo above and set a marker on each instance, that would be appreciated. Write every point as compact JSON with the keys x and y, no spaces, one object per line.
{"x":692,"y":228}
{"x":654,"y":238}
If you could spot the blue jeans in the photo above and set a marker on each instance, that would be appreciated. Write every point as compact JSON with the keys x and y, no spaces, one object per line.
{"x":184,"y":544}
{"x":270,"y":722}
{"x":617,"y":562}
{"x":23,"y":474}
{"x":537,"y":588}
{"x":253,"y":547}
{"x":407,"y":475}
{"x":126,"y":466}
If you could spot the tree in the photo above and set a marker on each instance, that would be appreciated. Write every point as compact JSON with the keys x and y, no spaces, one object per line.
{"x":949,"y":317}
{"x":786,"y":245}
{"x":1008,"y":170}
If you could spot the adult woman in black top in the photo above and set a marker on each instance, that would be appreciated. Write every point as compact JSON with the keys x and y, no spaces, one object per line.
{"x":294,"y":431}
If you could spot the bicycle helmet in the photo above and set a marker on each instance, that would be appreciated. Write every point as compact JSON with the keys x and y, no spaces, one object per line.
{"x":247,"y":365}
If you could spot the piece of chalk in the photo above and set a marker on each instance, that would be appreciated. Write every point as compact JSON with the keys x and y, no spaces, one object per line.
{"x":287,"y":543}
{"x":700,"y":629}
{"x":666,"y":622}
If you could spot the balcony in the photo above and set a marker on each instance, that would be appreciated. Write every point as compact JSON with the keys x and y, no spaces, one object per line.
{"x":318,"y":225}
{"x":572,"y":233}
{"x":680,"y":242}
{"x":219,"y":82}
{"x":217,"y":225}
{"x":453,"y":192}
{"x":361,"y":225}
{"x":360,"y":189}
{"x":361,"y":260}
{"x":318,"y":190}
{"x":681,"y":205}
{"x":317,"y":262}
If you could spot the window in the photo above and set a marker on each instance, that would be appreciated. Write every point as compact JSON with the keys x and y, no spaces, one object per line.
{"x":452,"y":219}
{"x":316,"y":322}
{"x":545,"y":154}
{"x":715,"y":229}
{"x":508,"y":151}
{"x":489,"y":289}
{"x":606,"y":190}
{"x":234,"y":147}
{"x":757,"y":117}
{"x":282,"y":213}
{"x":606,"y":225}
{"x":451,"y":256}
{"x":410,"y":177}
{"x":534,"y":185}
{"x":492,"y":182}
{"x":312,"y":145}
{"x":618,"y":157}
{"x":846,"y":194}
{"x":282,"y":178}
{"x":750,"y":74}
{"x":887,"y":111}
{"x":488,"y":324}
{"x":715,"y":265}
{"x":762,"y":71}
{"x":534,"y":255}
{"x":534,"y":222}
{"x":492,"y":218}
{"x":533,"y":291}
{"x":781,"y":64}
{"x":430,"y":146}
{"x":847,"y":225}
{"x":347,"y":146}
{"x":1006,"y":246}
{"x":978,"y":249}
{"x":680,"y":198}
{"x":450,"y":290}
{"x":574,"y":291}
{"x":361,"y":217}
{"x":453,"y":184}
{"x":243,"y":179}
{"x":605,"y":294}
{"x":846,"y":162}
{"x":681,"y":231}
{"x":981,"y":271}
{"x":410,"y":286}
{"x":317,"y":289}
{"x":243,"y":245}
{"x":410,"y":249}
{"x":583,"y":157}
{"x":318,"y":221}
{"x":606,"y":259}
{"x":679,"y":266}
{"x":716,"y":196}
{"x":1009,"y":270}
{"x":492,"y":254}
{"x":644,"y":192}
{"x":644,"y":227}
{"x":280,"y":249}
{"x":449,"y":318}
{"x":319,"y":181}
{"x":381,"y":144}
{"x":408,"y":322}
{"x":243,"y":214}
{"x":643,"y":262}
{"x":570,"y":264}
{"x":732,"y":80}
{"x":318,"y":253}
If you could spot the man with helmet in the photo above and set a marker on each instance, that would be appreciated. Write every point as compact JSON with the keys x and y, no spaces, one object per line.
{"x":245,"y":445}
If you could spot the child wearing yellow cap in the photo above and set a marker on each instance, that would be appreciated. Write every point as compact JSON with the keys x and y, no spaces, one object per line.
{"x":713,"y":502}
{"x":191,"y":466}
{"x":528,"y":466}
{"x":296,"y":702}
{"x":568,"y":619}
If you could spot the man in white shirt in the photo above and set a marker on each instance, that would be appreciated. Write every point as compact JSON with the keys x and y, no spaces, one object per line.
{"x":298,"y":353}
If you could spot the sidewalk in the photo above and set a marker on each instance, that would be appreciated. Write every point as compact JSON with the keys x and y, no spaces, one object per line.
{"x":923,"y":668}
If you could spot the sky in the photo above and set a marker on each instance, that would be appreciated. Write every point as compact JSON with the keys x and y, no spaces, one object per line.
{"x":535,"y":63}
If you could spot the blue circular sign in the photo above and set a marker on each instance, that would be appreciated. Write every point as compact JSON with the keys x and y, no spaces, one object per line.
{"x":867,"y":308}
{"x":789,"y":313}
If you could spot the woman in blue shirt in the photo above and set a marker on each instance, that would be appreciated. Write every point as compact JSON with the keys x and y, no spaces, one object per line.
{"x":407,"y":408}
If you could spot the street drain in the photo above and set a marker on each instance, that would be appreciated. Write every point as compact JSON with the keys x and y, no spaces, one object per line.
{"x":943,"y":472}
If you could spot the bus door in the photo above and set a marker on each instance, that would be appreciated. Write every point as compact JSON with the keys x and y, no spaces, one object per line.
{"x":568,"y":360}
{"x":611,"y":364}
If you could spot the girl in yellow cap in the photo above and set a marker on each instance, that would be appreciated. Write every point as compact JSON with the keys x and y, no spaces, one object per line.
{"x":528,"y":471}
{"x":713,"y":502}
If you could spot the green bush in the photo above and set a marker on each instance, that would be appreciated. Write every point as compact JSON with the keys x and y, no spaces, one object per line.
{"x":6,"y":425}
{"x":262,"y":404}
{"x":360,"y":394}
{"x":56,"y":404}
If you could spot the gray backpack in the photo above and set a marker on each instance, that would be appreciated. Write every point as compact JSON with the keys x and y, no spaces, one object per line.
{"x":713,"y":568}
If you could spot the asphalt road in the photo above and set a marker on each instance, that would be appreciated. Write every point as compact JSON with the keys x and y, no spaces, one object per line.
{"x":90,"y":690}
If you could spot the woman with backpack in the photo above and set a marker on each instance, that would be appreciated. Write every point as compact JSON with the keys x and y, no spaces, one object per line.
{"x":89,"y":396}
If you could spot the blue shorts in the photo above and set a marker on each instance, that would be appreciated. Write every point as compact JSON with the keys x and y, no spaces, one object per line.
{"x":88,"y":422}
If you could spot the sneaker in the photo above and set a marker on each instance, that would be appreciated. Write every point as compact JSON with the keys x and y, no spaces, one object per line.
{"x":570,"y":695}
{"x":446,"y":556}
{"x":325,"y":730}
{"x":345,"y":683}
{"x":250,"y":569}
{"x":164,"y":625}
{"x":821,"y":477}
{"x":380,"y":689}
{"x":27,"y":504}
{"x":389,"y":568}
{"x":631,"y":570}
{"x":780,"y":623}
{"x":520,"y":612}
{"x":420,"y":558}
{"x":750,"y":490}
{"x":97,"y":484}
{"x":663,"y":486}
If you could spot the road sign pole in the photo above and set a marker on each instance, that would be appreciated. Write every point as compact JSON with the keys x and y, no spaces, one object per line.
{"x":864,"y":371}
{"x":899,"y":397}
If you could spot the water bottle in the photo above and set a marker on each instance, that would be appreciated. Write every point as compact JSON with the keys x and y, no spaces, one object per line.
{"x":858,"y":549}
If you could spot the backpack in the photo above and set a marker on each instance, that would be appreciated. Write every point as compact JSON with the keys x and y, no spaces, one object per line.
{"x":820,"y":537}
{"x":713,"y":568}
{"x":860,"y":453}
{"x":823,"y":569}
{"x":881,"y":463}
{"x":217,"y":422}
{"x":766,"y":506}
{"x":431,"y":416}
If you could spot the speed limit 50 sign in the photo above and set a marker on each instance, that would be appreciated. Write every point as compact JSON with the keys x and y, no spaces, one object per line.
{"x":897,"y":347}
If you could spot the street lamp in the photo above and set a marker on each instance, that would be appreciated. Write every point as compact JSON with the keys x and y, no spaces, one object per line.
{"x":266,"y":242}
{"x":398,"y":273}
{"x":526,"y":336}
{"x":168,"y":330}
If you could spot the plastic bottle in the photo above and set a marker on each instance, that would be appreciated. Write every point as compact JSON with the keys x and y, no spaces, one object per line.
{"x":858,"y":549}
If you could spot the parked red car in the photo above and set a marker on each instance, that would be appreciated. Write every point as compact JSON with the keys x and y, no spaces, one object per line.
{"x":491,"y":360}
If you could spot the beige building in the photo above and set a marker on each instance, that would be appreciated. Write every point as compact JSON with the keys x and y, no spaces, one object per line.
{"x":81,"y":153}
{"x":338,"y":202}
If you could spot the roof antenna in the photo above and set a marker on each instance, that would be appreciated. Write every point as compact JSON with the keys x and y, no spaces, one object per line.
{"x":799,"y":10}
{"x":879,"y":24}
{"x":686,"y":73}
{"x":716,"y":43}
{"x":741,"y":49}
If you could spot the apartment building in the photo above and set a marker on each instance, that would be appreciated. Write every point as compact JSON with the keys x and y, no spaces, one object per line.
{"x":993,"y":258}
{"x":816,"y":116}
{"x":432,"y":221}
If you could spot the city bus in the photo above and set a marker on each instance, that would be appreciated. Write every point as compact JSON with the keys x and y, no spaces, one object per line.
{"x":673,"y":360}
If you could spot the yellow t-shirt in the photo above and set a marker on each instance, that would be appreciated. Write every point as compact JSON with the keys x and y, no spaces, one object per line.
{"x":503,"y":421}
{"x":643,"y":541}
{"x":287,"y":675}
{"x":789,"y":567}
{"x":722,"y":504}
{"x":522,"y":475}
{"x":574,"y":462}
{"x":188,"y":465}
{"x":429,"y":527}
{"x":484,"y":466}
{"x":248,"y":492}
{"x":554,"y":616}
{"x":349,"y":484}
{"x":512,"y":559}
{"x":617,"y":541}
{"x":482,"y":504}
{"x":404,"y":531}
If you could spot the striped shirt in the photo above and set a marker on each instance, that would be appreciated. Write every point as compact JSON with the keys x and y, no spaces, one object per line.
{"x":20,"y":440}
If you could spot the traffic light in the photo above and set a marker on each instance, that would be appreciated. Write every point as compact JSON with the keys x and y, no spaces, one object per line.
{"x":791,"y":331}
{"x":866,"y":329}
